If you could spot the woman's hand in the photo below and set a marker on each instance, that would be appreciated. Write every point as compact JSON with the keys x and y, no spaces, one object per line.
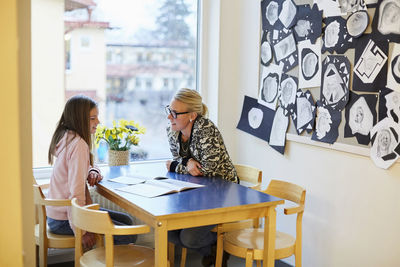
{"x":88,"y":240}
{"x":194,"y":167}
{"x":94,"y":177}
{"x":168,"y":164}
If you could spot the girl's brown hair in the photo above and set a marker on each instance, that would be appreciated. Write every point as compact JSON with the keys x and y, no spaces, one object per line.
{"x":75,"y":117}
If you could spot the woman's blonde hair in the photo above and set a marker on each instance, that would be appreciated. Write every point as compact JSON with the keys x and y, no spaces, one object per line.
{"x":193,"y":100}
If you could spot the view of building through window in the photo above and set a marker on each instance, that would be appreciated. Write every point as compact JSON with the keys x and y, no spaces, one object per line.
{"x":130,"y":56}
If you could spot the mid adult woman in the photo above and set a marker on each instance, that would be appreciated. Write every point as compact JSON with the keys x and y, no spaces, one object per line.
{"x":71,"y":145}
{"x":198,"y":149}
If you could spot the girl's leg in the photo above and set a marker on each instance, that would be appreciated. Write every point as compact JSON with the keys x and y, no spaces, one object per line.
{"x":59,"y":227}
{"x":120,"y":218}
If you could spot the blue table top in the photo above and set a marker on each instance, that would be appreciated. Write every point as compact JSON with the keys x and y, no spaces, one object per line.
{"x":217,"y":193}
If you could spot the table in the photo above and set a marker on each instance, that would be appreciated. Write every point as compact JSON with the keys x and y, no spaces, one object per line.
{"x":219,"y":201}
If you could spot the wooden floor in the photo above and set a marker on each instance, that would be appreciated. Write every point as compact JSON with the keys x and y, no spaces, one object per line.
{"x":193,"y":260}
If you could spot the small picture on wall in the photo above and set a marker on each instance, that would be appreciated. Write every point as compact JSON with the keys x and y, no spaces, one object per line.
{"x":327,"y":123}
{"x":304,"y":114}
{"x":309,"y":64}
{"x":278,"y":132}
{"x":269,"y":91}
{"x":287,"y":99}
{"x":309,"y":23}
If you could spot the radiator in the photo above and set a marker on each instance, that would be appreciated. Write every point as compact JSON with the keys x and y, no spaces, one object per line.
{"x":143,"y":239}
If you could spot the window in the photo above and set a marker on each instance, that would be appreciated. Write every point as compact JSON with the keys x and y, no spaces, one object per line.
{"x":129,"y":55}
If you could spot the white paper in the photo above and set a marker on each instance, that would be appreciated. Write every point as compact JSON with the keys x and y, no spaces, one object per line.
{"x":315,"y":79}
{"x":269,"y":85}
{"x":394,"y":69}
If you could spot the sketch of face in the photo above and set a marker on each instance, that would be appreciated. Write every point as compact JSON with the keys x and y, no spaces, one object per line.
{"x":270,"y":88}
{"x":255,"y":117}
{"x":304,"y":112}
{"x":287,"y":91}
{"x":272,"y":12}
{"x":396,"y":68}
{"x":324,"y":121}
{"x":389,"y":17}
{"x":384,"y":140}
{"x":265,"y":52}
{"x":331,"y":36}
{"x":303,"y":27}
{"x":309,"y":65}
{"x":357,"y":23}
{"x":359,"y":115}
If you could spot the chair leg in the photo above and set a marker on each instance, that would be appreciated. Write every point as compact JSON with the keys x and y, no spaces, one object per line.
{"x":171,"y":253}
{"x":249,"y":258}
{"x":297,"y":259}
{"x":43,"y":256}
{"x":258,"y":263}
{"x":183,"y":257}
{"x":220,"y":250}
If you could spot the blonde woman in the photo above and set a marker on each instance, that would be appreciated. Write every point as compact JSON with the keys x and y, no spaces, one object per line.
{"x":198,"y":149}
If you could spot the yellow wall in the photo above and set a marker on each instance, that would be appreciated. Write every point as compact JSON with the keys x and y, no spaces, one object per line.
{"x":16,"y":224}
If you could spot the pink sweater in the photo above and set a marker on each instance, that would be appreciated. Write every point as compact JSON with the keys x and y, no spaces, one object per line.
{"x":70,"y":172}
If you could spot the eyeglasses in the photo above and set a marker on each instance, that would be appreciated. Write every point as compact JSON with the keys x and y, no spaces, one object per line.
{"x":173,"y":113}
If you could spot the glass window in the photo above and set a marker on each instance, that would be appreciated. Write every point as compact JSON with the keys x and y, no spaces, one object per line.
{"x":123,"y":53}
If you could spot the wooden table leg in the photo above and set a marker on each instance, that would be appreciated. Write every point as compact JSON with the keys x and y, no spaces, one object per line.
{"x":161,"y":244}
{"x":269,"y":237}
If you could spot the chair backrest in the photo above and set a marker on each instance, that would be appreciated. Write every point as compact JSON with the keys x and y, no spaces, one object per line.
{"x":286,"y":190}
{"x":249,"y":174}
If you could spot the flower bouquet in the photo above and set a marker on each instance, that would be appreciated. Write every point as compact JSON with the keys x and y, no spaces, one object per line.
{"x":119,"y":138}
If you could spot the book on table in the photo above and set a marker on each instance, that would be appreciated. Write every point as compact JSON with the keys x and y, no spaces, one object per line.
{"x":158,"y":186}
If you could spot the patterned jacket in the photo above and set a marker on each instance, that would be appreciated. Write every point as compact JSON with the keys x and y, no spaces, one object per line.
{"x":207,"y":147}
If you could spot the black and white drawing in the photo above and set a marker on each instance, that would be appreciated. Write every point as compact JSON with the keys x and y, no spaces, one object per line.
{"x":370,"y":59}
{"x":285,"y":49}
{"x":327,"y":123}
{"x":351,"y":6}
{"x":389,"y":104}
{"x":309,"y":23}
{"x":287,"y":98}
{"x":329,"y":7}
{"x":335,"y":81}
{"x":288,"y":14}
{"x":266,"y":50}
{"x":393,"y":75}
{"x":385,"y":24}
{"x":357,"y":23}
{"x":335,"y":36}
{"x":385,"y":140}
{"x":278,"y":131}
{"x":304,"y":114}
{"x":360,"y":117}
{"x":270,"y":81}
{"x":256,"y":119}
{"x":309,"y":64}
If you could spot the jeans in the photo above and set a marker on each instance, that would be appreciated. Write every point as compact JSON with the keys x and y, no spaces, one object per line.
{"x":62,"y":227}
{"x":200,"y":239}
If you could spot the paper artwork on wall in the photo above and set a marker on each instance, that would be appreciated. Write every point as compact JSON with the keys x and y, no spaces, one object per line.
{"x":278,"y":14}
{"x":357,"y":23}
{"x":393,"y":76}
{"x":327,"y":123}
{"x":270,"y":81}
{"x":287,"y":99}
{"x":304,"y":112}
{"x":370,"y":65}
{"x":360,"y":117}
{"x":285,"y":49}
{"x":351,"y":6}
{"x":386,"y":20}
{"x":266,"y":49}
{"x":389,"y":105}
{"x":330,"y":8}
{"x":278,"y":131}
{"x":335,"y":36}
{"x":309,"y":23}
{"x":309,"y":64}
{"x":335,"y":81}
{"x":385,"y":140}
{"x":256,"y":119}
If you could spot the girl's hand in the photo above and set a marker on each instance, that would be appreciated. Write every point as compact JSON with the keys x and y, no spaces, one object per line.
{"x":194,"y":167}
{"x":168,"y":164}
{"x":94,"y":177}
{"x":88,"y":240}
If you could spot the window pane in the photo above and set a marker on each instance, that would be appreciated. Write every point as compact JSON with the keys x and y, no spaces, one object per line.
{"x":129,"y":55}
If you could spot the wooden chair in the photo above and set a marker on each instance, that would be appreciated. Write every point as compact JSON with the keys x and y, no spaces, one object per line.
{"x":248,"y":175}
{"x":248,"y":243}
{"x":89,"y":218}
{"x":44,"y":238}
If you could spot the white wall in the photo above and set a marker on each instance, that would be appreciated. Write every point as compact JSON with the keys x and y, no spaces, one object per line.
{"x":352,"y":213}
